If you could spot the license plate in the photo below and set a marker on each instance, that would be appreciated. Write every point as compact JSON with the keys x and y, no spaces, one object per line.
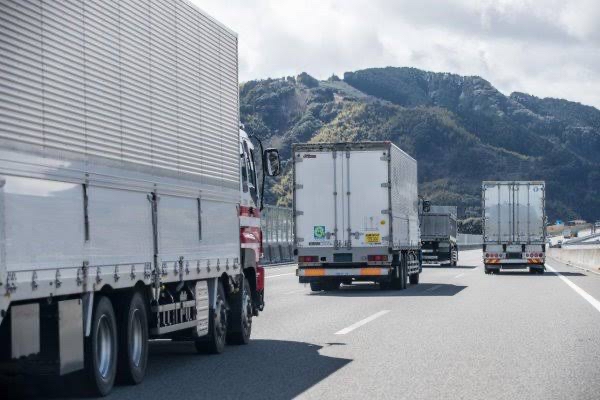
{"x":372,"y":238}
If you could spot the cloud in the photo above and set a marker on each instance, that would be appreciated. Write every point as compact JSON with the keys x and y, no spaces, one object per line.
{"x":548,"y":48}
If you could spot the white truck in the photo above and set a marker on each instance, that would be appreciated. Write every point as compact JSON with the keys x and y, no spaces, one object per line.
{"x":129,"y":205}
{"x":356,"y":218}
{"x":514,"y":225}
{"x":438,"y":235}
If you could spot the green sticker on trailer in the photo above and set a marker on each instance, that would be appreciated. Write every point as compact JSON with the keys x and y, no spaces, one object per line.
{"x":319,"y":232}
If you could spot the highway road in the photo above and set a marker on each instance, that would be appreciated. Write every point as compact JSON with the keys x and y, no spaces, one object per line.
{"x":460,"y":334}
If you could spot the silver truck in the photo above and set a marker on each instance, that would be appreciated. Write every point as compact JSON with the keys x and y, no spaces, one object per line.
{"x":438,"y":235}
{"x":355,"y":214}
{"x":514,"y":226}
{"x":129,"y":203}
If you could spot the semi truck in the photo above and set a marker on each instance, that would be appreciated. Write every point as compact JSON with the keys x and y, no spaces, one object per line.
{"x":514,"y":226}
{"x":129,"y":204}
{"x":438,"y":235}
{"x":356,"y":215}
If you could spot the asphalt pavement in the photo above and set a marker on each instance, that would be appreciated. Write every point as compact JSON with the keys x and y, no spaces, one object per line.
{"x":459,"y":334}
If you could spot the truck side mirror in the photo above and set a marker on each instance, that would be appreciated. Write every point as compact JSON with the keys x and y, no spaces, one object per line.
{"x":271,"y":162}
{"x":426,"y":205}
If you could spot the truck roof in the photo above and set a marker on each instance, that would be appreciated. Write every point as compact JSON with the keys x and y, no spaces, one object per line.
{"x":343,"y":146}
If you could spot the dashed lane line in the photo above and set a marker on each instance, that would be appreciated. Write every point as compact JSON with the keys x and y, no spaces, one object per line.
{"x":362,"y":322}
{"x":595,"y":303}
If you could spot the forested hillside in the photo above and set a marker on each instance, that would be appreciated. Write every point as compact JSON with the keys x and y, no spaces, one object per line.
{"x":460,"y":129}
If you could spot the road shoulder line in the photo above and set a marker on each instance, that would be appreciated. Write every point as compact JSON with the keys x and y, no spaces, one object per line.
{"x":362,"y":322}
{"x":595,"y":303}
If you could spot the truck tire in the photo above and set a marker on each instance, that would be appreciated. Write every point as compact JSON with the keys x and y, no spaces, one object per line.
{"x":133,"y":339}
{"x":214,"y":342}
{"x":414,"y":278}
{"x":240,"y":321}
{"x":101,"y":349}
{"x":316,"y":286}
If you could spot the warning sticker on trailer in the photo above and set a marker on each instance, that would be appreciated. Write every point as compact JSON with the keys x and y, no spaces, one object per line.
{"x":319,"y":232}
{"x":372,"y":237}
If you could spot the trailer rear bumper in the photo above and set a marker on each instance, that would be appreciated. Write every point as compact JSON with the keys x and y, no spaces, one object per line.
{"x":514,"y":263}
{"x":368,"y":273}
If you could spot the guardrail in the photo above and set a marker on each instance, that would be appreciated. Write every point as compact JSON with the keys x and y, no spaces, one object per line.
{"x":276,"y":224}
{"x":584,"y":256}
{"x":467,"y":241}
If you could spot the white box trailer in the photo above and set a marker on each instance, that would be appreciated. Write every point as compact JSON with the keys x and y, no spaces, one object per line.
{"x":355,"y":214}
{"x":438,"y":235}
{"x":120,"y":190}
{"x":514,"y":225}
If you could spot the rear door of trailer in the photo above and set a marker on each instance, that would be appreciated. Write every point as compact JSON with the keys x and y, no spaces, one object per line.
{"x":340,"y":198}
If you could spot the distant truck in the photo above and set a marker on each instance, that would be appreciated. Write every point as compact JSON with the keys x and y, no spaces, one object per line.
{"x":514,"y":225}
{"x":356,"y":215}
{"x":438,"y":235}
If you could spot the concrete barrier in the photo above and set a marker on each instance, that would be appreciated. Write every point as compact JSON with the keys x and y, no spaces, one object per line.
{"x":581,"y":257}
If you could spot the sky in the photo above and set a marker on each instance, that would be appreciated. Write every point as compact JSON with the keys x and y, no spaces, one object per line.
{"x":547,"y":48}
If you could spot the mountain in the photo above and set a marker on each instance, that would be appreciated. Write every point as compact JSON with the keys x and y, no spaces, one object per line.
{"x":460,"y":129}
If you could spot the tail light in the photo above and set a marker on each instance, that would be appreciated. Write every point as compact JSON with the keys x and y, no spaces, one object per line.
{"x":377,"y":258}
{"x":308,"y":259}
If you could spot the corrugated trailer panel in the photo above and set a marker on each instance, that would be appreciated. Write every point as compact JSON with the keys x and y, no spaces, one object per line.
{"x":153,"y":83}
{"x":514,"y":212}
{"x":404,"y":199}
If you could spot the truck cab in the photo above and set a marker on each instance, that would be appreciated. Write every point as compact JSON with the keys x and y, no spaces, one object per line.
{"x":251,"y":204}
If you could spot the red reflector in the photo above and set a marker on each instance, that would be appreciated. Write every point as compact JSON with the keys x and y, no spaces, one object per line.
{"x":260,"y":279}
{"x":308,"y":259}
{"x":377,"y":258}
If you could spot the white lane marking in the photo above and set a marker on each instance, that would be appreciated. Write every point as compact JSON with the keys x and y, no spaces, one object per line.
{"x":362,"y":322}
{"x":459,"y":275}
{"x":275,"y":276}
{"x":433,"y":288}
{"x":577,"y":289}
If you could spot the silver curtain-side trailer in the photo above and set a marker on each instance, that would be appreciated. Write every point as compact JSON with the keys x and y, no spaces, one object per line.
{"x":514,"y":225}
{"x":119,"y":163}
{"x":355,"y":205}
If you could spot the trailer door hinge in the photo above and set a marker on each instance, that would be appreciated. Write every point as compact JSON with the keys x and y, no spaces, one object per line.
{"x":299,"y":240}
{"x":386,"y":211}
{"x":385,"y":158}
{"x":386,"y":185}
{"x":297,"y":213}
{"x":298,"y":186}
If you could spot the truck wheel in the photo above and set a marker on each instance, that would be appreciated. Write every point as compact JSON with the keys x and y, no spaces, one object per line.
{"x":241,"y":316}
{"x":316,"y":286}
{"x":414,"y":278}
{"x":101,"y":348}
{"x":133,"y":339}
{"x":214,"y":342}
